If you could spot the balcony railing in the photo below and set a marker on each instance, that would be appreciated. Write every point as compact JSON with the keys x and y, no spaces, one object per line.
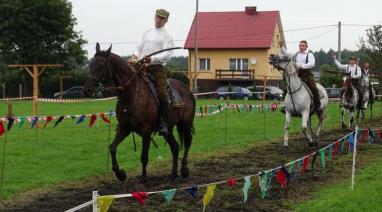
{"x":235,"y":74}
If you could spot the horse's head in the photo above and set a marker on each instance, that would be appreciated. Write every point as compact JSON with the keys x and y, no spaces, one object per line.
{"x":279,"y":61}
{"x":100,"y":72}
{"x":347,"y":82}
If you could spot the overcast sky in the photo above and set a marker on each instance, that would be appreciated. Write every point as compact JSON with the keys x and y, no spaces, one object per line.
{"x":122,"y":22}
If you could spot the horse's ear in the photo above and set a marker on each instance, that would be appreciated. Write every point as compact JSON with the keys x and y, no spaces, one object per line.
{"x":108,"y":51}
{"x":98,"y":48}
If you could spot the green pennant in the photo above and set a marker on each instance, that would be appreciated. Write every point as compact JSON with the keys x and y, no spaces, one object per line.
{"x":246,"y":186}
{"x":323,"y":162}
{"x":342,"y":145}
{"x":168,"y":195}
{"x":265,"y":185}
{"x":22,"y":122}
{"x":291,"y":167}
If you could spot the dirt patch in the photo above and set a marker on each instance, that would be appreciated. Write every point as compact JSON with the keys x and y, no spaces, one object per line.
{"x":221,"y":166}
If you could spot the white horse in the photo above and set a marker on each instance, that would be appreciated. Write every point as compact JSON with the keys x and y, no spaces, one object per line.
{"x":349,"y":102}
{"x":367,"y":93}
{"x":299,"y":100}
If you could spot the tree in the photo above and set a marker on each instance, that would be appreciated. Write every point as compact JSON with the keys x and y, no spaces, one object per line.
{"x":39,"y":31}
{"x":372,"y":47}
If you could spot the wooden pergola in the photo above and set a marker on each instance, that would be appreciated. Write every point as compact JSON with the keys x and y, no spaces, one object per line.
{"x":35,"y":74}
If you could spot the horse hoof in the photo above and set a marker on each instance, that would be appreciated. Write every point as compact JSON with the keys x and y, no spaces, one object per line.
{"x":121,"y":175}
{"x":185,"y":172}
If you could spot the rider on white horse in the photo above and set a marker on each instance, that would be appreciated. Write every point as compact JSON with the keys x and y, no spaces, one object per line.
{"x":355,"y":73}
{"x":305,"y":62}
{"x":367,"y":73}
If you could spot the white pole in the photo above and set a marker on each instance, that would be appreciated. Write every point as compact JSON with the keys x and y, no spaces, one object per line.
{"x":95,"y":204}
{"x":354,"y":155}
{"x":339,"y":42}
{"x":196,"y":62}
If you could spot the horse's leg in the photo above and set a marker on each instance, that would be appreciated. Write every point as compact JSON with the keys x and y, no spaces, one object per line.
{"x":351,"y":120}
{"x":304,"y":126}
{"x":321,"y":117}
{"x":187,"y":139}
{"x":174,"y":146}
{"x":119,"y":137}
{"x":146,"y":139}
{"x":288,"y":119}
{"x":343,"y":118}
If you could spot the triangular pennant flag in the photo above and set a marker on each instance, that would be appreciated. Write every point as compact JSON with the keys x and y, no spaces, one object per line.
{"x":209,"y":195}
{"x":282,"y":177}
{"x":323,"y":162}
{"x":92,"y":120}
{"x":343,"y":145}
{"x":140,"y":196}
{"x":11,"y":120}
{"x":106,"y":120}
{"x":168,"y":195}
{"x":2,"y":130}
{"x":264,"y":184}
{"x":336,"y":149}
{"x":21,"y":122}
{"x":299,"y":163}
{"x":59,"y":120}
{"x":81,"y":119}
{"x":291,"y":167}
{"x":351,"y":138}
{"x":273,"y":172}
{"x":104,"y":202}
{"x":231,"y":182}
{"x":192,"y":191}
{"x":247,"y":184}
{"x":48,"y":120}
{"x":330,"y":152}
{"x":34,"y":121}
{"x":363,"y":136}
{"x":201,"y":111}
{"x":305,"y":164}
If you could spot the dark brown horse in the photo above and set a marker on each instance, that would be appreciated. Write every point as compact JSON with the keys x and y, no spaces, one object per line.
{"x":137,"y":110}
{"x":349,"y":102}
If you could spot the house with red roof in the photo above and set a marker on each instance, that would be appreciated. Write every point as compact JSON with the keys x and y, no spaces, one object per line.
{"x":233,"y":48}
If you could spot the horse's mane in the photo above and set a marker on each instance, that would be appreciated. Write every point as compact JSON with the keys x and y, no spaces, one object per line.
{"x":116,"y":60}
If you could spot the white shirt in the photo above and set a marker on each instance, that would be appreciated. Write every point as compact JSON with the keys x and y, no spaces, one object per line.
{"x":354,"y":70}
{"x":155,"y":40}
{"x":301,"y":58}
{"x":367,"y":72}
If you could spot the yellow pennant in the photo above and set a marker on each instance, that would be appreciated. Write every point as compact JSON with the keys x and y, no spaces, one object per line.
{"x":104,"y":202}
{"x":208,"y":196}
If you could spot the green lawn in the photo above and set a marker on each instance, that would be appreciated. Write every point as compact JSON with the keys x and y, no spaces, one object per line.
{"x":71,"y":152}
{"x":365,"y":197}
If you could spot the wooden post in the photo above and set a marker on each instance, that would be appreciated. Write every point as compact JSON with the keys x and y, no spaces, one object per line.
{"x":3,"y":86}
{"x":264,"y":90}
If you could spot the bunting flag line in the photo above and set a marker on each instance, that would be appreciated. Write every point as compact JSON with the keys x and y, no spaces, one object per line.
{"x":209,"y":195}
{"x":296,"y":172}
{"x":34,"y":122}
{"x":21,"y":122}
{"x":140,"y":196}
{"x":305,"y":164}
{"x":168,"y":195}
{"x":192,"y":191}
{"x":103,"y":117}
{"x":291,"y":167}
{"x":104,"y":202}
{"x":80,"y":120}
{"x":323,"y":162}
{"x":282,"y":177}
{"x":2,"y":130}
{"x":364,"y":135}
{"x":231,"y":182}
{"x":247,"y":185}
{"x":48,"y":120}
{"x":59,"y":120}
{"x":330,"y":152}
{"x":264,"y":184}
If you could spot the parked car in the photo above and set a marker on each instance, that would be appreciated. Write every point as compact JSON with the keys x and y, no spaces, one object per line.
{"x":77,"y":92}
{"x":333,"y":92}
{"x":240,"y":93}
{"x":271,"y":92}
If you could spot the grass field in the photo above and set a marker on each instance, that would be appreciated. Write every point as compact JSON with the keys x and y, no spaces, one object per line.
{"x":71,"y":152}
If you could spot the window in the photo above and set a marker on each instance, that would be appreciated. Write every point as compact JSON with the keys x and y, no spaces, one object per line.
{"x":204,"y":64}
{"x":238,"y":64}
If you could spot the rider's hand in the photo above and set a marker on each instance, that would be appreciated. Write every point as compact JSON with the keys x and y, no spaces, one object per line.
{"x":147,"y":59}
{"x":334,"y":56}
{"x":281,"y":43}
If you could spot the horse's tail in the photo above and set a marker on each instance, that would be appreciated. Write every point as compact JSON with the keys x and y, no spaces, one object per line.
{"x":185,"y":134}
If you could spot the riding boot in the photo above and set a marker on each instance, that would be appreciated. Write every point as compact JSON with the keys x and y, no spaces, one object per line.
{"x":164,"y":111}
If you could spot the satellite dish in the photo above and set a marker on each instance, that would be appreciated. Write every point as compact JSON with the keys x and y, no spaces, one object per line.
{"x":253,"y":61}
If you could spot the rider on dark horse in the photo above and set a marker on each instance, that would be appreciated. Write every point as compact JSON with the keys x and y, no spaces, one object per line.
{"x":154,"y":40}
{"x":355,"y":73}
{"x":367,"y":73}
{"x":304,"y":60}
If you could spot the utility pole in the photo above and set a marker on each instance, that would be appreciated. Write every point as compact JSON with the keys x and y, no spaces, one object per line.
{"x":194,"y":76}
{"x":339,"y":42}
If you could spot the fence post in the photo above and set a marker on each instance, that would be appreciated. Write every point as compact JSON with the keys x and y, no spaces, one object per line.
{"x":95,"y":204}
{"x":354,"y":155}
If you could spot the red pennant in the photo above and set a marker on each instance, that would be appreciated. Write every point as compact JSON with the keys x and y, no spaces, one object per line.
{"x":363,"y":137}
{"x":305,"y":164}
{"x":231,"y":182}
{"x":335,"y":150}
{"x":140,"y":196}
{"x":380,"y":134}
{"x":2,"y":130}
{"x":104,"y":118}
{"x":281,"y":178}
{"x":48,"y":119}
{"x":93,"y":118}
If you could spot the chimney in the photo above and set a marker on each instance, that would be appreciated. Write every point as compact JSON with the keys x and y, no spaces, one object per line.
{"x":250,"y":10}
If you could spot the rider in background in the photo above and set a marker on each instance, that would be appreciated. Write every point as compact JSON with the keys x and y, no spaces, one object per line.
{"x":154,"y":40}
{"x":304,"y":60}
{"x":367,"y":73}
{"x":355,"y":73}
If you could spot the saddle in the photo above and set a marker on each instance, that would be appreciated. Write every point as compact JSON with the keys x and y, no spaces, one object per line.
{"x":176,"y":100}
{"x":311,"y":94}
